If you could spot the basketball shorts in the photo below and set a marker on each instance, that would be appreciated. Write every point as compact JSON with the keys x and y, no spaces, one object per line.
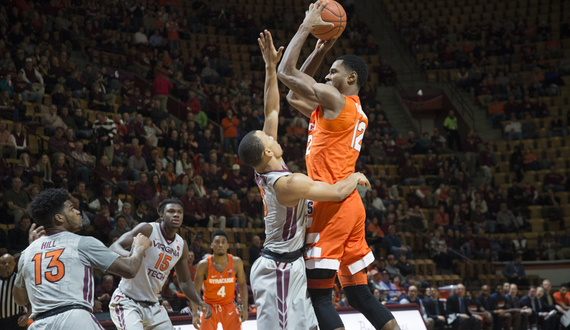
{"x":130,"y":315}
{"x":227,"y":315}
{"x":280,"y":293}
{"x":336,"y":241}
{"x":70,"y":320}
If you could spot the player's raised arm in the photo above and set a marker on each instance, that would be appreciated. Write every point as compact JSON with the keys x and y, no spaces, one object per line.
{"x":271,"y":99}
{"x":310,"y":67}
{"x":243,"y":292}
{"x":128,"y":266}
{"x":126,"y":240}
{"x":186,"y":284}
{"x":291,"y":188}
{"x":300,"y":83}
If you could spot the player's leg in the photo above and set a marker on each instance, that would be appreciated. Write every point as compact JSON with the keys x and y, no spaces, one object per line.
{"x":212,"y":322}
{"x":360,"y":298}
{"x":125,"y":313}
{"x":156,"y":318}
{"x":352,"y":276}
{"x":325,"y":311}
{"x":230,"y":317}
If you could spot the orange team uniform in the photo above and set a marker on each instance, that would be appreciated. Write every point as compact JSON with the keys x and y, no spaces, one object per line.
{"x":335,"y":230}
{"x":219,"y":293}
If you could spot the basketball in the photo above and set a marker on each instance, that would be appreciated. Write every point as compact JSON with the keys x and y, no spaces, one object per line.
{"x":332,"y":13}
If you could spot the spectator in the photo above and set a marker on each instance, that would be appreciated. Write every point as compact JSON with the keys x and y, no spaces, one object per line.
{"x":140,"y":214}
{"x":434,"y":308}
{"x":249,"y":208}
{"x":84,"y":126}
{"x":105,"y":130}
{"x":16,"y":200}
{"x":120,"y":228}
{"x":557,"y":127}
{"x":104,"y":291}
{"x":481,"y":247}
{"x":438,"y":251}
{"x":458,"y":305}
{"x":19,"y":235}
{"x":255,"y":249}
{"x":410,"y":174}
{"x":193,"y":213}
{"x":126,"y":214}
{"x":113,"y":203}
{"x":529,"y":129}
{"x":531,"y":305}
{"x":564,"y":252}
{"x":562,"y":297}
{"x":506,"y":222}
{"x":452,"y":127}
{"x":233,"y":212}
{"x":390,"y":292}
{"x":214,"y":210}
{"x":230,"y":125}
{"x":514,"y":271}
{"x":137,"y":164}
{"x":548,"y":303}
{"x":161,"y":88}
{"x":394,"y":244}
{"x":554,"y":180}
{"x":513,"y":129}
{"x":7,"y":146}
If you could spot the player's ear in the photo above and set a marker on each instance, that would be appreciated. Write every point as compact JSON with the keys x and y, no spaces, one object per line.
{"x":268,"y":153}
{"x":352,"y":78}
{"x":59,"y":219}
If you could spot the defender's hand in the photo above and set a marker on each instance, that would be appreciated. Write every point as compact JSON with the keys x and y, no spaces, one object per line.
{"x":142,"y":241}
{"x":35,"y":233}
{"x":313,"y":16}
{"x":270,"y":55}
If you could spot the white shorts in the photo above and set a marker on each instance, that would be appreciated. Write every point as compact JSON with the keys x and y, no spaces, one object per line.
{"x":70,"y":320}
{"x":130,"y":315}
{"x":281,"y":297}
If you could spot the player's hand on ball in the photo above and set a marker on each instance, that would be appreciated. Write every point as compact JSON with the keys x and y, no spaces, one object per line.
{"x":362,"y":180}
{"x":270,"y":55}
{"x":244,"y":313}
{"x":142,"y":241}
{"x":35,"y":233}
{"x":325,"y":45}
{"x":313,"y":15}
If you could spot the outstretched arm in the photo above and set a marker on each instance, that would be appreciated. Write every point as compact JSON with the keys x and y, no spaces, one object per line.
{"x":301,"y":83}
{"x":310,"y":67}
{"x":185,"y":281}
{"x":296,"y":186}
{"x":271,"y":99}
{"x":243,"y":292}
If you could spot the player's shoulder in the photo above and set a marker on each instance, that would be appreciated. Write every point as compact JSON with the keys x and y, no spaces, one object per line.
{"x":237,"y":260}
{"x":144,"y":228}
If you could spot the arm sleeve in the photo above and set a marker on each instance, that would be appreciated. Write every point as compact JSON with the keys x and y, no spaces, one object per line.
{"x":93,"y":253}
{"x":20,"y":281}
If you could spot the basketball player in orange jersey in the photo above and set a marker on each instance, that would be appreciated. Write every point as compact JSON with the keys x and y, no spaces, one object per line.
{"x":218,"y":273}
{"x":335,"y":234}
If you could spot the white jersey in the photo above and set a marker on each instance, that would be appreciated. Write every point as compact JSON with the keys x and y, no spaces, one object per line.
{"x":284,"y":226}
{"x":57,"y":270}
{"x":157,"y":263}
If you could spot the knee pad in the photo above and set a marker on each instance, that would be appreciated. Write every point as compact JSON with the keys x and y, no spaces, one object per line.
{"x":320,"y":278}
{"x":324,"y":309}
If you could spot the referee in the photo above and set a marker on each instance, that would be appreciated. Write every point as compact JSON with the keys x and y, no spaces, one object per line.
{"x":11,"y":315}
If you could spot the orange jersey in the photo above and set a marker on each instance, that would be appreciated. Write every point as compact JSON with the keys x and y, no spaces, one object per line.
{"x":333,"y":146}
{"x":219,"y":288}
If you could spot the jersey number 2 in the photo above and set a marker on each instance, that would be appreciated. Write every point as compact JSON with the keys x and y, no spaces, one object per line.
{"x":54,"y":265}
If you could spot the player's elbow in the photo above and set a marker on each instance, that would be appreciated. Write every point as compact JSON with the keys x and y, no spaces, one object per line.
{"x":20,"y":297}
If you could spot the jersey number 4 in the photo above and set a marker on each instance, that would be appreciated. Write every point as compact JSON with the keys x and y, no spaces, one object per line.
{"x":222,"y":292}
{"x":55,"y":269}
{"x":357,"y":136}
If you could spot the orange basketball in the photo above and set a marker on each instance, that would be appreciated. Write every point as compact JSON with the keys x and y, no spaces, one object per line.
{"x":333,"y":13}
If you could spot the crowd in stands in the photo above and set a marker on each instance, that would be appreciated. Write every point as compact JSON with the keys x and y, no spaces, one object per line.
{"x":114,"y":146}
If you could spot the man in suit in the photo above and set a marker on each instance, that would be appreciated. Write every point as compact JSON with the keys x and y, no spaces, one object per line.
{"x":530,"y":302}
{"x":513,"y":301}
{"x":548,"y":304}
{"x":434,"y":308}
{"x":458,"y":306}
{"x":499,"y":305}
{"x":484,"y":305}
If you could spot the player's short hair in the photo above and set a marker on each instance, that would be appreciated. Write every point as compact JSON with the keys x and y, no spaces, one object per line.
{"x":219,"y":232}
{"x":46,"y":205}
{"x":356,"y":64}
{"x":167,"y":201}
{"x":251,"y":150}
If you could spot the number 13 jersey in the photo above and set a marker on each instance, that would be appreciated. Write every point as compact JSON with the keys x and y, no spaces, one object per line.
{"x":157,"y":263}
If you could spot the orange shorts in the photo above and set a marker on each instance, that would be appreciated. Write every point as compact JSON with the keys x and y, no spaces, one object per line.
{"x":227,"y":315}
{"x":336,"y":240}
